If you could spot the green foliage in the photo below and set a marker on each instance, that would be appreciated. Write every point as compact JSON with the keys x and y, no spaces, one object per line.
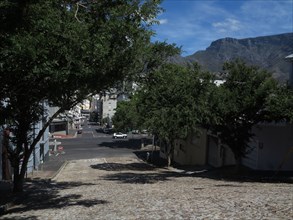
{"x":126,"y":117}
{"x":94,"y":117}
{"x":62,"y":51}
{"x":106,"y":121}
{"x":242,"y":102}
{"x":280,"y":104}
{"x":154,"y":56}
{"x":174,"y":101}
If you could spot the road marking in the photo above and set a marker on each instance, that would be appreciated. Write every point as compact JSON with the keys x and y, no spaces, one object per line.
{"x":102,"y":136}
{"x":95,"y":160}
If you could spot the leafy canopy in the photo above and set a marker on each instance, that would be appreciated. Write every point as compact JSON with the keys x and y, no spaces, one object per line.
{"x":62,"y":51}
{"x":126,"y":117}
{"x":173,"y":101}
{"x":244,"y":100}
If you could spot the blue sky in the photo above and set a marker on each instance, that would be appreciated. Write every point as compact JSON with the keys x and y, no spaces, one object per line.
{"x":194,"y":24}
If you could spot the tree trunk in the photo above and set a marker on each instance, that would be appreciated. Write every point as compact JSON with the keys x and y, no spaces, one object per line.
{"x":18,"y":180}
{"x":6,"y":175}
{"x":238,"y":164}
{"x":170,"y":154}
{"x":169,"y":160}
{"x":19,"y":172}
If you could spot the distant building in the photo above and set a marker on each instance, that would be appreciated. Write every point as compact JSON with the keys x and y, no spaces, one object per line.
{"x":96,"y":109}
{"x":103,"y":105}
{"x":85,"y":108}
{"x":59,"y":125}
{"x":290,"y":59}
{"x":109,"y":100}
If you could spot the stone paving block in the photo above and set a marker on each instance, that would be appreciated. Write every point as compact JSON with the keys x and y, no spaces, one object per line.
{"x":127,"y":188}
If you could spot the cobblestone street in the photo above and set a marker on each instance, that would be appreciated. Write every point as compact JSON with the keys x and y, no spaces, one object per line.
{"x":128,"y":188}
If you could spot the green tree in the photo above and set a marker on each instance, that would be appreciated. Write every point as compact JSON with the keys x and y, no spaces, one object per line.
{"x":248,"y":96}
{"x":174,"y":102}
{"x":59,"y":52}
{"x":94,"y":116}
{"x":280,"y":104}
{"x":126,"y":117}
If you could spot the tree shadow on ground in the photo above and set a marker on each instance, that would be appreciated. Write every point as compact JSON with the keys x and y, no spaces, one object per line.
{"x":228,"y":173}
{"x":123,"y":167}
{"x":141,"y":178}
{"x":234,"y":174}
{"x":45,"y":194}
{"x":135,"y":173}
{"x":151,"y":157}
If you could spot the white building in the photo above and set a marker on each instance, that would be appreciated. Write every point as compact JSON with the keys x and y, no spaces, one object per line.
{"x":109,"y":100}
{"x":271,"y":147}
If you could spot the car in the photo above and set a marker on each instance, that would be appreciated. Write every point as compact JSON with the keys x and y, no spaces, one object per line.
{"x":135,"y":131}
{"x":119,"y":135}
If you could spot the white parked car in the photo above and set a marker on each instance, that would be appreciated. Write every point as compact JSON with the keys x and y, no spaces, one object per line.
{"x":119,"y":135}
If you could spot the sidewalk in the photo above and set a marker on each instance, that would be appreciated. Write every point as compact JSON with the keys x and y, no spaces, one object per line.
{"x":131,"y":188}
{"x":47,"y":171}
{"x":128,"y":188}
{"x":49,"y":168}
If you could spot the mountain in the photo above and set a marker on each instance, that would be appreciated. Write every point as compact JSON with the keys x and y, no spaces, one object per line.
{"x":267,"y":52}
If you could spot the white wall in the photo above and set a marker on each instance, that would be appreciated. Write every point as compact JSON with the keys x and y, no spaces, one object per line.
{"x":109,"y":105}
{"x":192,"y":150}
{"x":218,"y":155}
{"x":273,"y":145}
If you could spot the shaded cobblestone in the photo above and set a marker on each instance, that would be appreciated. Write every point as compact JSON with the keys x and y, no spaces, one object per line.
{"x":127,"y":188}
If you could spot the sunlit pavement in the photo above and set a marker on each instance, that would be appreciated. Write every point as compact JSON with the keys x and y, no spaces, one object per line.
{"x":128,"y":188}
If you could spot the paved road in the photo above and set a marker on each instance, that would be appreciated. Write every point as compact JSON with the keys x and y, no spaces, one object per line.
{"x":93,"y":143}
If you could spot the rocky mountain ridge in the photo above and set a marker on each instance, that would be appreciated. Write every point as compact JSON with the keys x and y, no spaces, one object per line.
{"x":267,"y":52}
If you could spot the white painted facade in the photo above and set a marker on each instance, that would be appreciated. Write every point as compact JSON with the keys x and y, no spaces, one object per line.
{"x":272,"y":148}
{"x":201,"y":149}
{"x":109,"y":104}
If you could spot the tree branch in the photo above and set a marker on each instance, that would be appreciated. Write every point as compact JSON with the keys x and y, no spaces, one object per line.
{"x":75,"y":15}
{"x":42,"y":131}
